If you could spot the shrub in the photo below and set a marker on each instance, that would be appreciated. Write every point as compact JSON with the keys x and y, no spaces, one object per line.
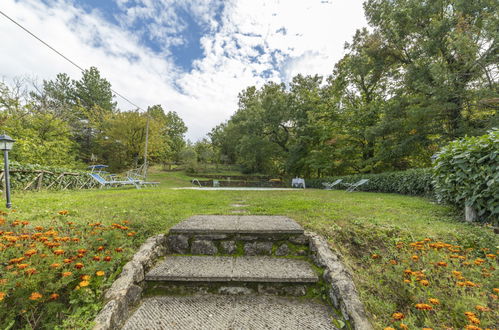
{"x":48,"y":273}
{"x":410,"y":182}
{"x":466,"y":172}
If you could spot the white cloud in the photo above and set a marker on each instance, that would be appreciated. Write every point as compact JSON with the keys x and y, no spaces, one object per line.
{"x":253,"y":37}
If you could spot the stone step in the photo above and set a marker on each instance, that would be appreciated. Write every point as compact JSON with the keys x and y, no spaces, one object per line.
{"x":232,"y":269}
{"x":230,"y":312}
{"x":225,"y":234}
{"x":240,"y":224}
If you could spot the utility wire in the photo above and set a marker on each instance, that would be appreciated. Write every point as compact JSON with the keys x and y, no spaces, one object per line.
{"x":62,"y":55}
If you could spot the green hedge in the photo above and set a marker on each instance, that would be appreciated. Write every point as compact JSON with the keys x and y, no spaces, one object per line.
{"x":23,"y":174}
{"x":467,"y":173}
{"x":411,"y":182}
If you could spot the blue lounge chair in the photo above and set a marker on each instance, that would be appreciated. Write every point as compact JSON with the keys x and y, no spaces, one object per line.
{"x":142,"y":182}
{"x":112,"y":183}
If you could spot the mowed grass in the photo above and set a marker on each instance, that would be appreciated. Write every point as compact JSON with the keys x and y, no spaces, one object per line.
{"x":356,"y":224}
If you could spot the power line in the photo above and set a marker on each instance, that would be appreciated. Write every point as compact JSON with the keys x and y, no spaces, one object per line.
{"x":63,"y":56}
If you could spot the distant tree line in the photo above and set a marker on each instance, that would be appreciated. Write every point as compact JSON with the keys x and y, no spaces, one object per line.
{"x":67,"y":122}
{"x":425,"y":74}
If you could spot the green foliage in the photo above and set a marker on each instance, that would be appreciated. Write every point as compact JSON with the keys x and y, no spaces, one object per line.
{"x":467,"y":173}
{"x":423,"y":74}
{"x":416,"y":182}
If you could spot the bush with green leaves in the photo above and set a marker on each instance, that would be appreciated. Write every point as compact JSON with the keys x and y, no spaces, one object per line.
{"x":411,"y":182}
{"x":466,"y":172}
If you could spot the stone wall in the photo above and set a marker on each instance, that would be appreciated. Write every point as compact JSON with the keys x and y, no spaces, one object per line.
{"x":342,"y":293}
{"x":126,"y":291}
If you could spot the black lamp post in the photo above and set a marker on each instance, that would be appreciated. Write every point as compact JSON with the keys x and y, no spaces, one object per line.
{"x":6,"y":143}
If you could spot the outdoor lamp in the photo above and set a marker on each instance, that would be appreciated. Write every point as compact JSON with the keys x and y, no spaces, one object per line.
{"x":6,"y":144}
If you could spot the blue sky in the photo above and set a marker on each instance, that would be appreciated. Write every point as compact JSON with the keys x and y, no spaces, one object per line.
{"x":190,"y":56}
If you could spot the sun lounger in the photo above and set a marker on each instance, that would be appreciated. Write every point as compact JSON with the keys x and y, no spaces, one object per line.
{"x":112,"y":183}
{"x":330,"y":185}
{"x":353,"y":186}
{"x":142,"y":182}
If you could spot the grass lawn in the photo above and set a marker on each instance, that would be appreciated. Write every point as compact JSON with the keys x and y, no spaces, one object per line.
{"x":364,"y":227}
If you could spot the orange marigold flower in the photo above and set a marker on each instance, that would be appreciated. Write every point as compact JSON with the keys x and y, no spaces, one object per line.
{"x":407,"y":281}
{"x":479,"y":261}
{"x":388,"y":328}
{"x":25,"y":223}
{"x":398,"y":316}
{"x":408,"y":271}
{"x":84,"y":283}
{"x":456,"y":273}
{"x":58,"y":252}
{"x":474,"y":320}
{"x":96,"y":258}
{"x":460,"y":284}
{"x":442,"y":264}
{"x":30,"y":271}
{"x":2,"y":295}
{"x":427,"y":329}
{"x":55,"y":265}
{"x":469,"y":314}
{"x":470,"y":284}
{"x":393,"y":262}
{"x":100,"y":273}
{"x":496,"y":290}
{"x":491,"y":256}
{"x":82,"y":251}
{"x":54,"y":296}
{"x":403,"y":326}
{"x":482,"y":308}
{"x":30,"y":252}
{"x":75,"y":239}
{"x":415,"y":258}
{"x":424,"y":282}
{"x":35,"y":296}
{"x":66,"y":274}
{"x":79,"y":265}
{"x":472,"y":327}
{"x":100,"y":248}
{"x":375,"y":256}
{"x":22,"y":266}
{"x":423,"y":307}
{"x":85,"y":277}
{"x":107,"y":258}
{"x":63,"y":212}
{"x":118,"y":250}
{"x":67,"y":261}
{"x":132,"y":233}
{"x":434,"y":301}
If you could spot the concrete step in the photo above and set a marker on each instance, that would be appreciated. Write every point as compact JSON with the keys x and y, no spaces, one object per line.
{"x":232,"y":269}
{"x":243,"y":234}
{"x":241,"y":224}
{"x":233,"y":312}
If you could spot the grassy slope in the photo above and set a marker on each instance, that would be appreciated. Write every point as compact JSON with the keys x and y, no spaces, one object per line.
{"x":357,"y":224}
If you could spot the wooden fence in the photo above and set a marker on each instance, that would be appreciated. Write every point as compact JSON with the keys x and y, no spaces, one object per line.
{"x":24,"y":180}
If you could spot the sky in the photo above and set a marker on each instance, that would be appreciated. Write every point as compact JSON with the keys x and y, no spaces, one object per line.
{"x":190,"y":56}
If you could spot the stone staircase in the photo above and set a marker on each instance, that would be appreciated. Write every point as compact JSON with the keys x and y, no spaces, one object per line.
{"x":234,"y":272}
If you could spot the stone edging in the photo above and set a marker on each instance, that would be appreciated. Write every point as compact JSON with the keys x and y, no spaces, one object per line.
{"x":127,"y":288}
{"x":343,"y":293}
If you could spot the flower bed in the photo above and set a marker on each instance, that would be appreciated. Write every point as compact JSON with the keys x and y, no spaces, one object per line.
{"x":440,"y":285}
{"x":51,"y":272}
